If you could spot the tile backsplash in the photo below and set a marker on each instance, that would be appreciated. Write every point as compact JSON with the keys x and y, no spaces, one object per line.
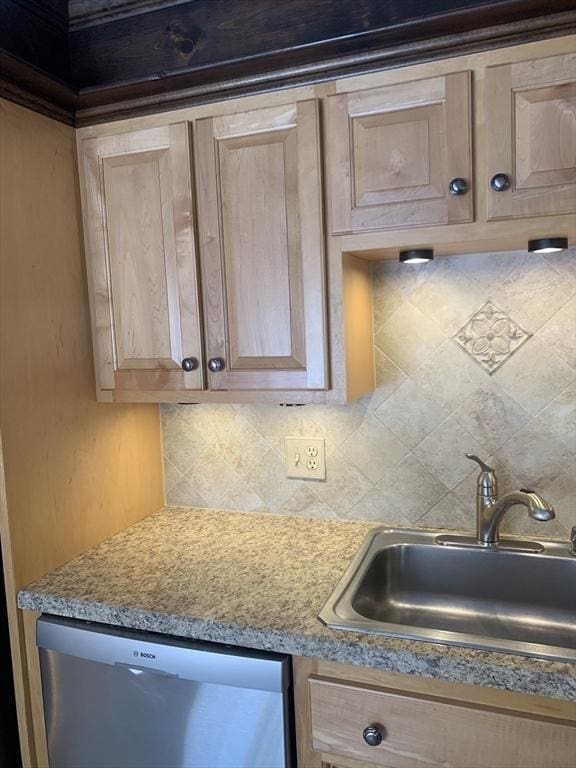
{"x":474,"y":353}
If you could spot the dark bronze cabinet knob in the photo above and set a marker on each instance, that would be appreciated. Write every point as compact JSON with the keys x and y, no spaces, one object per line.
{"x":458,"y":186}
{"x":189,"y":364}
{"x":373,"y":735}
{"x":500,"y":182}
{"x":216,"y":364}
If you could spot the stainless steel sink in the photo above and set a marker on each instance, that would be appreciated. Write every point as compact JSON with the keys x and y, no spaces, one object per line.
{"x":406,"y":583}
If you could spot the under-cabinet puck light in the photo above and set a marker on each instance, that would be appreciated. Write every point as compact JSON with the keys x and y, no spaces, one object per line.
{"x":548,"y":244}
{"x":416,"y":256}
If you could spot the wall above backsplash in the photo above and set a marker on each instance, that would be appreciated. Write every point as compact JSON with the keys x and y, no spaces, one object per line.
{"x":474,"y":353}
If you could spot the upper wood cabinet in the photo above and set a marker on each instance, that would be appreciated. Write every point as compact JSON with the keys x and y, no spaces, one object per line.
{"x":394,"y":150}
{"x":262,"y":248}
{"x":138,"y":216}
{"x":531,"y":137}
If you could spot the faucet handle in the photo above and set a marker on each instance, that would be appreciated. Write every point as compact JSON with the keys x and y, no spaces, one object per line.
{"x":487,"y":483}
{"x":483,"y":466}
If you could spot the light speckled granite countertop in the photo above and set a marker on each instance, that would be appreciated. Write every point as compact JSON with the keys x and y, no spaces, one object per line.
{"x":258,"y":581}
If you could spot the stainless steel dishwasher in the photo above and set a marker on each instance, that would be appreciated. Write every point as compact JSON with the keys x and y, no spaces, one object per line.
{"x":117,"y":698}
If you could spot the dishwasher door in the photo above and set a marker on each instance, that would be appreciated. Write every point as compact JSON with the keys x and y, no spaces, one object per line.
{"x":123,"y":699}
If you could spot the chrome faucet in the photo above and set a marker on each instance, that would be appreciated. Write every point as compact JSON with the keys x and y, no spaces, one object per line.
{"x":490,"y":509}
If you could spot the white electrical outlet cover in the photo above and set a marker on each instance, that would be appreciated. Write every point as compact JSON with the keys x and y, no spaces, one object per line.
{"x":305,"y":458}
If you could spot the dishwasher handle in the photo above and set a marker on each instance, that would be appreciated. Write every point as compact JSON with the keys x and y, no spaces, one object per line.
{"x":150,"y":670}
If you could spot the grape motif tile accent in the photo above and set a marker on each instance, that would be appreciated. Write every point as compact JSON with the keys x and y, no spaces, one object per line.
{"x":490,"y":336}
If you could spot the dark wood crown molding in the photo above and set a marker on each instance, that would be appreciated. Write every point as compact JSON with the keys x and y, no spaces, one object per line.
{"x":111,"y":59}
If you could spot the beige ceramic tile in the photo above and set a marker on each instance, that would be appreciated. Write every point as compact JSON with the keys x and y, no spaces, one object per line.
{"x":533,"y":293}
{"x":388,"y":378}
{"x":338,"y":422}
{"x":559,"y":333}
{"x":411,"y":413}
{"x":408,"y":337}
{"x":559,"y":417}
{"x":171,"y":476}
{"x":269,"y":482}
{"x":448,"y":297}
{"x":449,"y":514}
{"x":240,"y":445}
{"x":275,"y":423}
{"x":492,"y":416}
{"x":305,"y":503}
{"x":219,"y":484}
{"x":373,"y":449}
{"x":403,"y":279}
{"x":489,"y":270}
{"x":444,"y":451}
{"x":450,"y":375}
{"x":345,"y":484}
{"x":535,"y":457}
{"x":185,"y":494}
{"x":564,"y":263}
{"x":534,"y":376}
{"x":183,"y":442}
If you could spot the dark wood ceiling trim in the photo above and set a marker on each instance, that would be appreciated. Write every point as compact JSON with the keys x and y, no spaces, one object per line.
{"x":132,"y":57}
{"x":203,"y":36}
{"x":25,"y":85}
{"x":185,"y":89}
{"x":29,"y":32}
{"x":85,"y":13}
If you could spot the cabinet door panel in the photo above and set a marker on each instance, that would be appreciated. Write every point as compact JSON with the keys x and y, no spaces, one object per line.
{"x":142,"y":264}
{"x":421,"y":730}
{"x":531,"y":136}
{"x":393,"y":151}
{"x":260,"y":222}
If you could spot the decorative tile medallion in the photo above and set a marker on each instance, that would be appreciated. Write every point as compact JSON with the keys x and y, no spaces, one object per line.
{"x":490,"y":337}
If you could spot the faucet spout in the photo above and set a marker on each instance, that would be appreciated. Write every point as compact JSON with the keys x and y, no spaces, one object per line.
{"x":492,"y":515}
{"x":490,"y":509}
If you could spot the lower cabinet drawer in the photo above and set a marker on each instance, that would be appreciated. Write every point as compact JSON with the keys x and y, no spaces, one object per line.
{"x":419,"y":731}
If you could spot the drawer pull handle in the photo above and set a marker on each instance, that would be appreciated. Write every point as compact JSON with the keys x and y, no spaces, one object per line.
{"x":373,"y":735}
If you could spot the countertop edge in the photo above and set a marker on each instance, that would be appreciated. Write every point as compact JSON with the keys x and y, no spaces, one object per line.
{"x":432,"y":665}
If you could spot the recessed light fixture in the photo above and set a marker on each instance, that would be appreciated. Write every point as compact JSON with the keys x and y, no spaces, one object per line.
{"x":548,"y":244}
{"x":416,"y":256}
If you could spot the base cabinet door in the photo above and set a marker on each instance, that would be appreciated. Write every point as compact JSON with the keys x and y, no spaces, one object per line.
{"x":260,"y":223}
{"x":142,"y":269}
{"x":400,"y":155}
{"x":531,"y":137}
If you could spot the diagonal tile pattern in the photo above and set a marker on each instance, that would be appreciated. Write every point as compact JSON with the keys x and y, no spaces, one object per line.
{"x":395,"y":456}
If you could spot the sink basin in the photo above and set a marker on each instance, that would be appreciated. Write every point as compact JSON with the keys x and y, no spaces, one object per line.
{"x":406,"y":583}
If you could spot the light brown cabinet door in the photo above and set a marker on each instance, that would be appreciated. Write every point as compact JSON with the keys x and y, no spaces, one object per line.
{"x":138,"y":217}
{"x":421,"y":730}
{"x":531,"y":137}
{"x":261,"y":245}
{"x":393,"y":152}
